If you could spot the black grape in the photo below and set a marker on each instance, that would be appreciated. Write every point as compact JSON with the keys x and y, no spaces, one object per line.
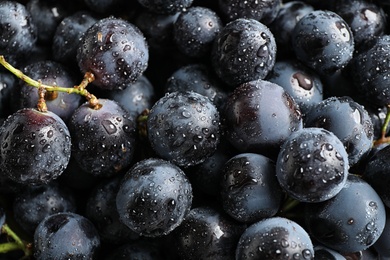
{"x":244,"y":50}
{"x":35,"y":146}
{"x":259,"y":116}
{"x":101,"y":210}
{"x":166,"y":6}
{"x":35,"y":203}
{"x":323,"y":41}
{"x":349,"y":222}
{"x":103,"y":139}
{"x":207,"y":227}
{"x":67,"y":36}
{"x":50,"y":73}
{"x":275,"y":238}
{"x":249,"y":188}
{"x":19,"y":33}
{"x":348,"y":120}
{"x":66,"y":235}
{"x":302,"y":83}
{"x":154,"y":197}
{"x":312,"y":165}
{"x":264,"y":11}
{"x":184,"y":127}
{"x":115,"y":51}
{"x":195,"y":29}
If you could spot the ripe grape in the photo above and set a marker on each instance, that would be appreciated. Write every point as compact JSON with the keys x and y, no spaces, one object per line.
{"x":35,"y":146}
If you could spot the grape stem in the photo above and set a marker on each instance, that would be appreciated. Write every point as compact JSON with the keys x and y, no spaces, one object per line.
{"x":384,"y":139}
{"x":16,"y":244}
{"x":79,"y":90}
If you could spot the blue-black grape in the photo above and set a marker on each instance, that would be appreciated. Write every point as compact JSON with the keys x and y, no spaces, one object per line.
{"x":197,"y":77}
{"x":67,"y":236}
{"x":283,"y":25}
{"x":209,"y":229}
{"x":302,"y":83}
{"x":166,"y":6}
{"x":184,"y":128}
{"x":259,"y":116}
{"x":244,"y":50}
{"x":275,"y":238}
{"x":348,"y":120}
{"x":349,"y":222}
{"x":195,"y":29}
{"x":264,"y":11}
{"x":369,"y":71}
{"x":35,"y":146}
{"x":46,"y":16}
{"x":323,"y":41}
{"x":19,"y":33}
{"x":366,"y":19}
{"x":101,"y":209}
{"x":312,"y":165}
{"x":104,"y":139}
{"x":249,"y":188}
{"x":50,"y":73}
{"x":35,"y":203}
{"x":115,"y":51}
{"x":67,"y":35}
{"x":154,"y":197}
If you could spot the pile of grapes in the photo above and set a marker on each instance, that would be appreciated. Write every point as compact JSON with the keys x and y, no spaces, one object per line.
{"x":194,"y":129}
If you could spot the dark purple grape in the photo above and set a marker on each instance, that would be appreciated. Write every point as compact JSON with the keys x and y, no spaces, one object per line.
{"x":349,"y":222}
{"x":323,"y":41}
{"x":103,"y":139}
{"x":7,"y":91}
{"x":244,"y":50}
{"x":101,"y":210}
{"x":166,"y":6}
{"x":184,"y":128}
{"x":348,"y":120}
{"x":250,"y":190}
{"x":35,"y":203}
{"x":264,"y":11}
{"x":35,"y":146}
{"x":376,"y":173}
{"x":54,"y":74}
{"x":324,"y":253}
{"x":158,"y":30}
{"x":259,"y":116}
{"x":275,"y":238}
{"x":283,"y":25}
{"x":18,"y":32}
{"x":154,"y":197}
{"x":115,"y":51}
{"x":373,"y":64}
{"x":312,"y":165}
{"x":197,"y":77}
{"x":382,"y":245}
{"x":46,"y":16}
{"x":206,"y":228}
{"x":136,"y":97}
{"x":67,"y":36}
{"x":66,"y":235}
{"x":195,"y":29}
{"x":301,"y":82}
{"x":366,"y":19}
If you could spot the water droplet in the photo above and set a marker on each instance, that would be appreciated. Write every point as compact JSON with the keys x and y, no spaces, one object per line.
{"x":49,"y":134}
{"x":46,"y":148}
{"x":109,"y":127}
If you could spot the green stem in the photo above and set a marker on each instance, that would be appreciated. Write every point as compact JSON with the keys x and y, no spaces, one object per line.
{"x":18,"y":244}
{"x":383,"y":138}
{"x":79,"y":90}
{"x":289,"y":205}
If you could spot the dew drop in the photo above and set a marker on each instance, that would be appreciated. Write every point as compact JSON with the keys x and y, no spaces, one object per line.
{"x":109,"y":127}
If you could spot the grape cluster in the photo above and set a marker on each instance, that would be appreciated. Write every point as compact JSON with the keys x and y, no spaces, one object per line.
{"x":194,"y":129}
